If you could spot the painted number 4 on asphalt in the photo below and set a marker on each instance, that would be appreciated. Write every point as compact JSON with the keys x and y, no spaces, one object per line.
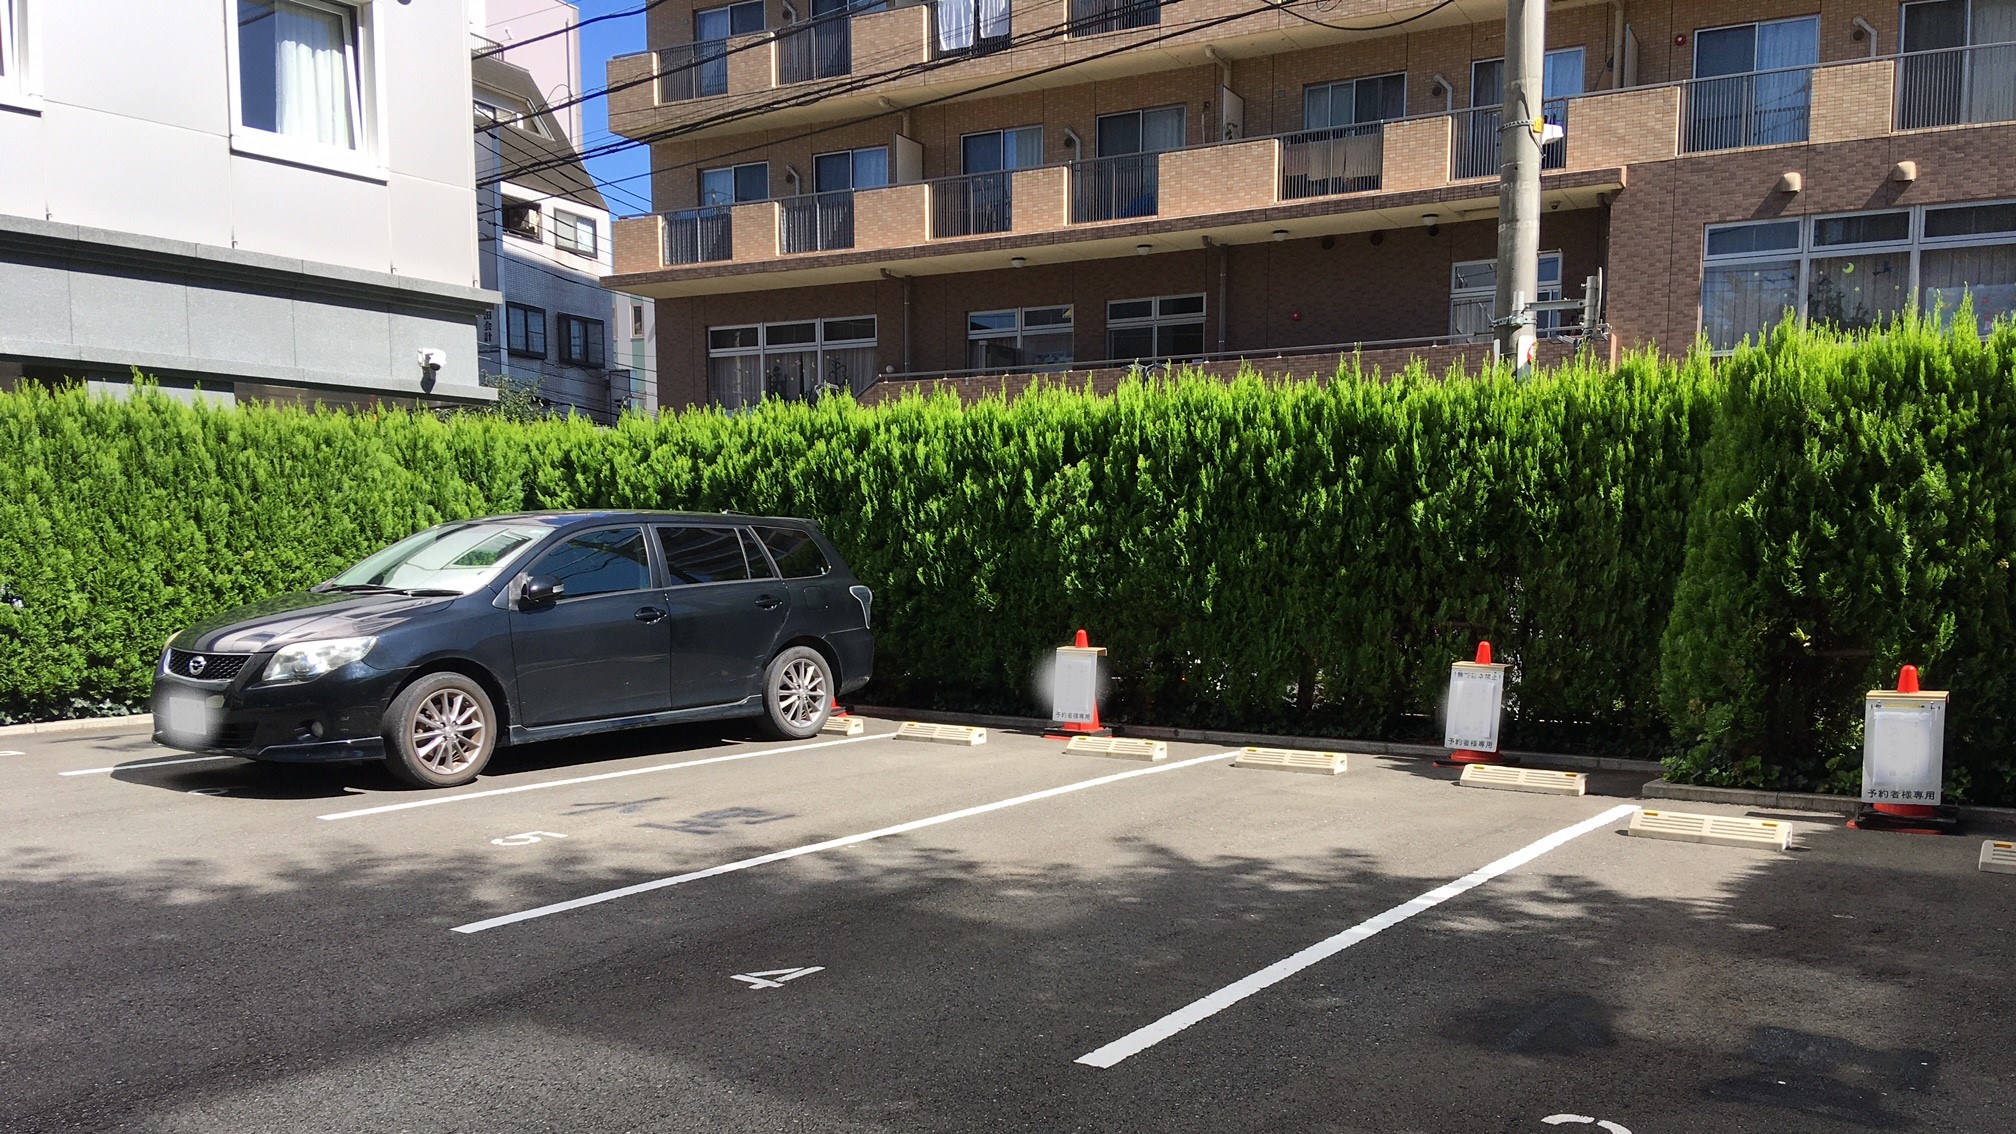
{"x":775,"y":978}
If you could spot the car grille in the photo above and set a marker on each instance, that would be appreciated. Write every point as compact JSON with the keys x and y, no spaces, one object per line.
{"x":206,"y":667}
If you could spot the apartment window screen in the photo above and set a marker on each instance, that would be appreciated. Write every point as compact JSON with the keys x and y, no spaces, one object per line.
{"x":1169,"y":326}
{"x":1018,"y":337}
{"x":798,"y":361}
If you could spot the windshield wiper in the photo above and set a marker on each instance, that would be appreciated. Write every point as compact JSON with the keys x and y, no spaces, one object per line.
{"x":428,"y":592}
{"x":357,"y":588}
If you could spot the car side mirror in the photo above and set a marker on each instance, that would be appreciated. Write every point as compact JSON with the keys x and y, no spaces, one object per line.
{"x":540,"y":590}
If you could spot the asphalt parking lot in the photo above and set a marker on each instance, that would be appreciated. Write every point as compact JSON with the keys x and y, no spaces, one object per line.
{"x":672,"y":930}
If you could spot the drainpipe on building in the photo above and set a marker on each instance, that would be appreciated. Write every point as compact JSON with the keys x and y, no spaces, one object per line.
{"x":1222,"y":255}
{"x":906,"y":281}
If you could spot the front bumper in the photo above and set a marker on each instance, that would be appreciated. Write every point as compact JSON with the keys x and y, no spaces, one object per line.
{"x":333,"y":717}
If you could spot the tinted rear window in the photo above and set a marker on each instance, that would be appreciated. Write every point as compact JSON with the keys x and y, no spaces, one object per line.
{"x":797,"y":556}
{"x":704,"y":555}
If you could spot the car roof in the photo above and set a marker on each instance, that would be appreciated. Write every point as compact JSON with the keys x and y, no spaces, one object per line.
{"x":568,"y":517}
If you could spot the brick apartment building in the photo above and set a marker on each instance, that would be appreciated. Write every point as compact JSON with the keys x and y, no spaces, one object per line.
{"x":856,"y":196}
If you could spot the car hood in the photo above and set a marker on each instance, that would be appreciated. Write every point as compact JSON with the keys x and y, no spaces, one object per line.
{"x":303,"y":616}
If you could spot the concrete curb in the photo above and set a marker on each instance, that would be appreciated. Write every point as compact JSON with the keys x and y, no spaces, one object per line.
{"x":82,"y":724}
{"x":1215,"y":736}
{"x":1842,"y":805}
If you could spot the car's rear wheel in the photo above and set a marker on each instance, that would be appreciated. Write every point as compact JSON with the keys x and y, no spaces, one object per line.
{"x":440,"y":731}
{"x":797,"y":693}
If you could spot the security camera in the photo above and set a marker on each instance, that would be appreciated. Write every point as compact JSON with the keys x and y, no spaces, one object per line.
{"x":432,"y":360}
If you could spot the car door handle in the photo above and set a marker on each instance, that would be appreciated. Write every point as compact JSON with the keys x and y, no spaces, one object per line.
{"x":769,"y":602}
{"x":649,"y":614}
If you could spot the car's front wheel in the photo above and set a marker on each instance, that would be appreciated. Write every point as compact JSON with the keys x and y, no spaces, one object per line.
{"x":440,"y":731}
{"x":797,"y":693}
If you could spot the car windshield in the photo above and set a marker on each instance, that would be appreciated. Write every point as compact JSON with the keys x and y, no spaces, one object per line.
{"x":456,"y":559}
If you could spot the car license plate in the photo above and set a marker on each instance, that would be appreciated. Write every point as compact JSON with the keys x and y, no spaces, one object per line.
{"x":186,"y":716}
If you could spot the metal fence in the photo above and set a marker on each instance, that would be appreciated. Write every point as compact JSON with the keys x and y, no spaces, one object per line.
{"x":678,"y":74}
{"x":699,"y":236}
{"x":1090,"y":17}
{"x":1956,"y":85}
{"x":974,"y":204}
{"x":822,"y":48}
{"x":1761,"y":108}
{"x":1474,"y":145}
{"x":816,"y":222}
{"x":1110,"y":188}
{"x":1343,"y":159}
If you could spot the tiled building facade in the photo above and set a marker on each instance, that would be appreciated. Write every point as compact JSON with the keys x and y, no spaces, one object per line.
{"x":992,"y":186}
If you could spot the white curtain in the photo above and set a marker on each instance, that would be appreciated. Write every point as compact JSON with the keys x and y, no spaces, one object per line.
{"x":312,"y":69}
{"x":993,"y":19}
{"x":1992,"y":76}
{"x":955,"y":25}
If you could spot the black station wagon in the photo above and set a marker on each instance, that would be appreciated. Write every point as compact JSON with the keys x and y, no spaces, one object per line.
{"x":439,"y":648}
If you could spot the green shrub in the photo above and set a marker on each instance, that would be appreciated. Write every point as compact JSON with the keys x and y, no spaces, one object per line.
{"x":1858,"y":513}
{"x":1707,"y":561}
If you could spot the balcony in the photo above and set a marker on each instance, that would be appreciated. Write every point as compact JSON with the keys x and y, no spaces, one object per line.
{"x":822,"y":48}
{"x":815,"y":222}
{"x":1114,"y":188}
{"x":699,"y":236}
{"x":1344,"y":159}
{"x":1956,"y":86}
{"x":969,"y":27}
{"x":1096,"y":17}
{"x":1760,"y":108}
{"x":1479,"y":131}
{"x":1302,"y":184}
{"x":974,"y":205}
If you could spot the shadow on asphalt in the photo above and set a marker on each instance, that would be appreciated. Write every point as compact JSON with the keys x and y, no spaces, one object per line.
{"x":252,"y":779}
{"x":1857,"y":986}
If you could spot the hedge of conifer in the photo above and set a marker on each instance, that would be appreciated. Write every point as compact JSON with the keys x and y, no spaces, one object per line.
{"x":1705,"y":560}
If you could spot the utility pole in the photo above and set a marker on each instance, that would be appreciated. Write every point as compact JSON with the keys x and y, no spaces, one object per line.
{"x":1519,"y":181}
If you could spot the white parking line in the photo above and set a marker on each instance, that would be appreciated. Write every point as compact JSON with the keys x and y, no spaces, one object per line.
{"x":409,"y":805}
{"x":1143,"y":1038}
{"x":148,"y":764}
{"x":829,"y":844}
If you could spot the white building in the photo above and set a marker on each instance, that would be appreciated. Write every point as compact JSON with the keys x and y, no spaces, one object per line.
{"x":543,"y":237}
{"x":273,"y":198}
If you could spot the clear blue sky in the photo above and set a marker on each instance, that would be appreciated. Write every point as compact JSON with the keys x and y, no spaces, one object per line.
{"x":600,"y":42}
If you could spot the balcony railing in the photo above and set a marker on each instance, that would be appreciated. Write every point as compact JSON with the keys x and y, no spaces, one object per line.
{"x":971,"y":205}
{"x":678,"y":77}
{"x":1111,"y":188}
{"x":1343,"y":159}
{"x":1473,"y":149}
{"x":816,"y":222}
{"x":1957,"y":85}
{"x":1761,"y":108}
{"x":699,"y":236}
{"x":1090,"y":17}
{"x":822,"y":48}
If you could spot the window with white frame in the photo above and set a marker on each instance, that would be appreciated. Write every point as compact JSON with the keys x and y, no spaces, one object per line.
{"x":582,"y":341}
{"x":1473,"y":297}
{"x":573,"y":234}
{"x":1856,"y":270}
{"x":1168,"y":326}
{"x":525,"y":330}
{"x":301,"y":73}
{"x":1354,"y":102}
{"x":798,"y":361}
{"x":1016,"y":337}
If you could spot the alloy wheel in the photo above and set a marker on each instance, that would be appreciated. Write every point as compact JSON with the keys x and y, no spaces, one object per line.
{"x":801,"y":692}
{"x":448,"y":731}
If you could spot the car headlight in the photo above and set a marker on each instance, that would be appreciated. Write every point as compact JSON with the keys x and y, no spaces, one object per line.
{"x":305,"y":661}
